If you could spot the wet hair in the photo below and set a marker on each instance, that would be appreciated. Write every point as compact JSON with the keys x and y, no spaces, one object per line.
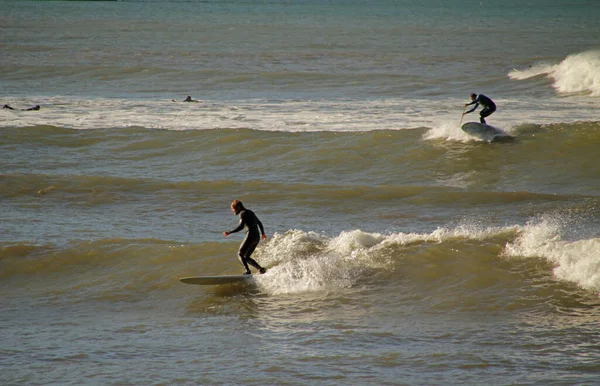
{"x":474,"y":96}
{"x":237,"y":205}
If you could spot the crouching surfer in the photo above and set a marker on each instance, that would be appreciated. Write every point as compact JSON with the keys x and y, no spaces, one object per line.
{"x":488,"y":106}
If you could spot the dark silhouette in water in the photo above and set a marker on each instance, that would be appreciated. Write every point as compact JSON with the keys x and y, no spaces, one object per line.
{"x":187,"y":99}
{"x":34,"y":108}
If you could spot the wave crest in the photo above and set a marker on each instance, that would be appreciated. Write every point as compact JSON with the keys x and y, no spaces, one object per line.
{"x":574,"y":260}
{"x":576,"y":74}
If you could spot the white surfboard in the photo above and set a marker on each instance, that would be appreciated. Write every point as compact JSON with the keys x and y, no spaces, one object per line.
{"x":484,"y":132}
{"x":216,"y":280}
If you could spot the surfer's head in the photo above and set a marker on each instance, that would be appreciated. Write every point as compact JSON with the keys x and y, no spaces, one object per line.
{"x":473,"y":96}
{"x":237,"y":206}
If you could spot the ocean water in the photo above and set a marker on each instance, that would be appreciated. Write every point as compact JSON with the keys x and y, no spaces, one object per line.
{"x":400,"y":250}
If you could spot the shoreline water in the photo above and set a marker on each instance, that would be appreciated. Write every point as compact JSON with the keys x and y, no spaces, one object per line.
{"x":400,"y":250}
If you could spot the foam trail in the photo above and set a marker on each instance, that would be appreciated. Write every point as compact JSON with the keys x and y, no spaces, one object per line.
{"x":448,"y":131}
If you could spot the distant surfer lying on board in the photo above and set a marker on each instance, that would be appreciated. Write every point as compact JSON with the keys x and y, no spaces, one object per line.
{"x":488,"y":106}
{"x":187,"y":99}
{"x":34,"y":108}
{"x":251,"y":223}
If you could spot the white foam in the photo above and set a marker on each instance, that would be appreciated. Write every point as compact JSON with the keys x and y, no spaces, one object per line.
{"x":449,"y":131}
{"x":309,"y":262}
{"x":532,"y":71}
{"x":575,"y":261}
{"x":576,"y":74}
{"x":286,"y":115}
{"x":442,"y":118}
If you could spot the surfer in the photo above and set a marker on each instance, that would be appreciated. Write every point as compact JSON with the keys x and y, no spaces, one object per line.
{"x":251,"y":223}
{"x":488,"y":106}
{"x":34,"y":108}
{"x":187,"y":99}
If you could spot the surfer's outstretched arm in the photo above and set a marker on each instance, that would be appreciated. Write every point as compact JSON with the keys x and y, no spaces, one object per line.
{"x":473,"y":109}
{"x":239,"y":228}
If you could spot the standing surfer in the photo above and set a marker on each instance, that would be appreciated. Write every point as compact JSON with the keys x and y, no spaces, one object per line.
{"x":251,"y":223}
{"x":488,"y":106}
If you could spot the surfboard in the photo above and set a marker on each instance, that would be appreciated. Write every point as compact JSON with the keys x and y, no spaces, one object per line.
{"x":216,"y":280}
{"x":483,"y":131}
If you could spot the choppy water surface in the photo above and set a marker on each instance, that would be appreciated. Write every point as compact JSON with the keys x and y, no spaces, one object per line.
{"x":400,"y":250}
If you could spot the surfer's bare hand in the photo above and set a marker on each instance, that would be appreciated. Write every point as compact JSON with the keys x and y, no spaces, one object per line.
{"x":225,"y":234}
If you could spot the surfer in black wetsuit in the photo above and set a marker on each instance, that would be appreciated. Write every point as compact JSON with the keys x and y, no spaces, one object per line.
{"x":251,"y":223}
{"x":187,"y":99}
{"x":34,"y":108}
{"x":488,"y":106}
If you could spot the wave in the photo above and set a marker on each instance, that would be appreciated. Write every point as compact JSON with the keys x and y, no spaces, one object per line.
{"x":456,"y":259}
{"x":140,"y":138}
{"x":576,"y":261}
{"x":110,"y":166}
{"x":283,"y":115}
{"x":306,"y":261}
{"x":102,"y":190}
{"x":576,"y":74}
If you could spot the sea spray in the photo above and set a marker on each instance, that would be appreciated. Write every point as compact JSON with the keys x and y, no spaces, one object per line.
{"x":305,"y":261}
{"x":576,"y":74}
{"x":575,"y":261}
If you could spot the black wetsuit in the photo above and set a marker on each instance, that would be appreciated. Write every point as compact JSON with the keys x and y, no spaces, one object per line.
{"x":34,"y":108}
{"x":251,"y":223}
{"x":488,"y":107}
